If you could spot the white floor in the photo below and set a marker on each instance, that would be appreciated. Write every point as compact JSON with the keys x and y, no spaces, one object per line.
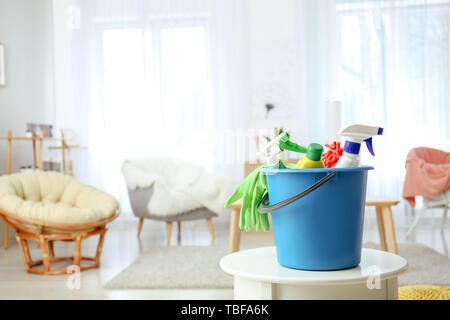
{"x":122,"y":247}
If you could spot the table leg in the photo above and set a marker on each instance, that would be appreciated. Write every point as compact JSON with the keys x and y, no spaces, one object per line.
{"x":251,"y":289}
{"x":381,"y":230}
{"x":392,"y":289}
{"x":248,"y":289}
{"x":34,"y":154}
{"x":390,"y":229}
{"x":235,"y":232}
{"x":63,"y":149}
{"x":41,"y":149}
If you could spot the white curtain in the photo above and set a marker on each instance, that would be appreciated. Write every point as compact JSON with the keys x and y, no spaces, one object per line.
{"x":156,"y":78}
{"x":395,"y":73}
{"x":388,"y":62}
{"x":317,"y":66}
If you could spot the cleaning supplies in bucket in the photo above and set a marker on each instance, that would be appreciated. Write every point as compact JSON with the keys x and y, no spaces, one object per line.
{"x":355,"y":134}
{"x":317,"y":213}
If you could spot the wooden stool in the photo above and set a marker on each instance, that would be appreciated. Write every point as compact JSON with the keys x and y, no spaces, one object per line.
{"x":384,"y":220}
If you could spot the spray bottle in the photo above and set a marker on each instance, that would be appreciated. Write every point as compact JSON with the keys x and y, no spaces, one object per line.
{"x":355,"y":134}
{"x":276,"y":146}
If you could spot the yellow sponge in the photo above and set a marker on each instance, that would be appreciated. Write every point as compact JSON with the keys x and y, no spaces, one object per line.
{"x":423,"y":292}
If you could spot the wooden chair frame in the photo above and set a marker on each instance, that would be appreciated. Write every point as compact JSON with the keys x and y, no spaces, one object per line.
{"x":46,"y":233}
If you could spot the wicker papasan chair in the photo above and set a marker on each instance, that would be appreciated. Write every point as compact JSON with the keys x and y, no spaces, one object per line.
{"x":48,"y":207}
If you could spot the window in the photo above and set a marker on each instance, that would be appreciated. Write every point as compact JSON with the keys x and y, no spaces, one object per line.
{"x":395,"y":62}
{"x":394,"y":72}
{"x":157,"y":90}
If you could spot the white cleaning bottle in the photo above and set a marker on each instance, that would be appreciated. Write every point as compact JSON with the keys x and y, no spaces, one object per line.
{"x":272,"y":150}
{"x":355,"y":134}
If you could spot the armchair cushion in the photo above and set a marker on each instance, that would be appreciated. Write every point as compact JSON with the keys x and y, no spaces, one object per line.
{"x":54,"y":197}
{"x":177,"y":186}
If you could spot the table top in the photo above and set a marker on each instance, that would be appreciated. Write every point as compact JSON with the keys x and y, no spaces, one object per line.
{"x":29,"y":138}
{"x":261,"y":264}
{"x":376,"y":201}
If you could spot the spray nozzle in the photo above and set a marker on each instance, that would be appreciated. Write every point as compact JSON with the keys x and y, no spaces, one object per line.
{"x":369,"y":146}
{"x":281,"y":143}
{"x":285,"y":136}
{"x":291,"y":146}
{"x":358,"y":133}
{"x":369,"y":141}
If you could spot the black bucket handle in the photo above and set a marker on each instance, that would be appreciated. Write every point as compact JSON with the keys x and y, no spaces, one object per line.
{"x":262,"y":208}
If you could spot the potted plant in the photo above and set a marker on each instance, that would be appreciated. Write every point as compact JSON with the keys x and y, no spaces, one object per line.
{"x":28,"y":133}
{"x":28,"y":168}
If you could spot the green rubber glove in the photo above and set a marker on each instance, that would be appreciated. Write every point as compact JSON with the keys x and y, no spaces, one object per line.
{"x":252,"y":190}
{"x":259,"y":192}
{"x":245,"y":191}
{"x":246,"y":220}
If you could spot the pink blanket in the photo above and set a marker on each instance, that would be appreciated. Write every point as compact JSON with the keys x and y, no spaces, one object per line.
{"x":427,"y":173}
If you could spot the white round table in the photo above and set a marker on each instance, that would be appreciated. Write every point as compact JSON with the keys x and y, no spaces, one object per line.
{"x":258,"y":275}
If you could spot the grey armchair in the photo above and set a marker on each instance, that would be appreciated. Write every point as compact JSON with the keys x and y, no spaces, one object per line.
{"x":139,"y":199}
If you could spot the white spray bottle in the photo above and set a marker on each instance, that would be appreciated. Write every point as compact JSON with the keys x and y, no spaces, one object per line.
{"x":272,"y":151}
{"x":355,"y":134}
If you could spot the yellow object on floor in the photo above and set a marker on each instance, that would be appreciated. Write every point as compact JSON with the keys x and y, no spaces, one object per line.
{"x":423,"y":292}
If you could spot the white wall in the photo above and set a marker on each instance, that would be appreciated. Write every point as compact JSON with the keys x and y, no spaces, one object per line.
{"x":62,"y":39}
{"x":25,"y":29}
{"x":272,"y":27}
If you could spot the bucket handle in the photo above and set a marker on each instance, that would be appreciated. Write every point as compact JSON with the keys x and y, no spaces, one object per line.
{"x":262,"y":208}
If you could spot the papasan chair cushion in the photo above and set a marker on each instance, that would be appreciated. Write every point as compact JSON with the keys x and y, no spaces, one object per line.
{"x":51,"y":197}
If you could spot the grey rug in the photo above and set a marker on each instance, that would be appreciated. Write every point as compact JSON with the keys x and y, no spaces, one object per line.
{"x":197,"y":267}
{"x":425,"y":265}
{"x":183,"y":267}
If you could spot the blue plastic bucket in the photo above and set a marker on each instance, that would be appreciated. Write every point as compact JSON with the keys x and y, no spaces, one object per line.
{"x":321,"y":227}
